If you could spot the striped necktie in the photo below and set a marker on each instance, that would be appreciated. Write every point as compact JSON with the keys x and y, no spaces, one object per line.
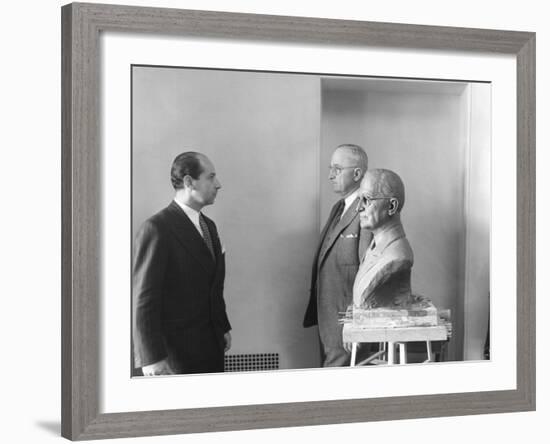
{"x":206,"y":235}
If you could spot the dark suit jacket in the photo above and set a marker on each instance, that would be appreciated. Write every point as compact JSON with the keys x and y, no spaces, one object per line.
{"x":178,"y":307}
{"x":334,"y":267}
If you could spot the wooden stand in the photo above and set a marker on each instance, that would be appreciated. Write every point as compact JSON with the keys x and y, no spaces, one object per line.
{"x":391,"y":337}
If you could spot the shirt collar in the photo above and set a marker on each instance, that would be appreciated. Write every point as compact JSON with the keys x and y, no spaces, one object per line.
{"x":191,"y":212}
{"x":350,"y":199}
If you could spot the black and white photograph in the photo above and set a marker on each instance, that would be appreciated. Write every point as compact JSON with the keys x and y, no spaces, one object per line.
{"x":285,"y":221}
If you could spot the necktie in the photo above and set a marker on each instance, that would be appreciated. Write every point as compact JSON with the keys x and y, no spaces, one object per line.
{"x":206,"y":235}
{"x":328,"y":239}
{"x":371,"y":247}
{"x":338,"y":213}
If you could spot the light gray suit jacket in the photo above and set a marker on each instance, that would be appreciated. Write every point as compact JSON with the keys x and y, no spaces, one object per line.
{"x":334,"y":268}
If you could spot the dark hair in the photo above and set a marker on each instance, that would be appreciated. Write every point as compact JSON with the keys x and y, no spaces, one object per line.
{"x":185,"y":164}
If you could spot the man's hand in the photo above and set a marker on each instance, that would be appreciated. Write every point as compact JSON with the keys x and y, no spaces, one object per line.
{"x":227,"y":339}
{"x":158,"y":368}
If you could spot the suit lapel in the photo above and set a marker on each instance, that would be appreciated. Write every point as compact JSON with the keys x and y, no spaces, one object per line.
{"x":187,"y":234}
{"x":214,"y":236}
{"x":325,"y":229}
{"x":220,"y":264}
{"x":347,"y":218}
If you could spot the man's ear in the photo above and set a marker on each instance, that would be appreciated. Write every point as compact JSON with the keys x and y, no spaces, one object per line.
{"x":357,"y":174}
{"x":394,"y":205}
{"x":188,"y":182}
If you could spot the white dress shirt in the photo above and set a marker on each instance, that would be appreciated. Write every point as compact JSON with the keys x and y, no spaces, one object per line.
{"x":192,"y":214}
{"x":348,"y":201}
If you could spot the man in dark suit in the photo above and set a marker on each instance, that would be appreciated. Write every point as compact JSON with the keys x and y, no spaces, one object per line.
{"x":336,"y":261}
{"x":179,"y":318}
{"x":384,"y":277}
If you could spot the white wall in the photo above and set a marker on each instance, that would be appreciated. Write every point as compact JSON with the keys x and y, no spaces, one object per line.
{"x":477,"y":204}
{"x":30,"y":255}
{"x":261,"y":131}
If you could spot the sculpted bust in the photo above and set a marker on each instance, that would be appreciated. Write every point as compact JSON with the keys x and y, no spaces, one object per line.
{"x":384,"y":275}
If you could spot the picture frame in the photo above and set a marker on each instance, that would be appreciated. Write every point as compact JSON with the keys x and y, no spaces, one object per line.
{"x":81,"y":181}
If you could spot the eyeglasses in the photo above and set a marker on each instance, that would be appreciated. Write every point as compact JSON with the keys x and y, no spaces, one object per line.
{"x":365,"y":201}
{"x":337,"y":170}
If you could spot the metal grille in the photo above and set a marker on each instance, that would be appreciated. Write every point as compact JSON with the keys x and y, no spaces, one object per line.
{"x":251,"y":362}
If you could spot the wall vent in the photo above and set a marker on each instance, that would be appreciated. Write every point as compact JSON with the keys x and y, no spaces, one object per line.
{"x":251,"y":362}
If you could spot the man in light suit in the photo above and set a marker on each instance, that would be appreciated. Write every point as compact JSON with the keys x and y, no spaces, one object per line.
{"x":337,"y":258}
{"x":180,"y":323}
{"x":384,"y":277}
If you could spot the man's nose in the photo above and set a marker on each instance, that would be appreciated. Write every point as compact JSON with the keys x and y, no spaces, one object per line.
{"x":218,"y":184}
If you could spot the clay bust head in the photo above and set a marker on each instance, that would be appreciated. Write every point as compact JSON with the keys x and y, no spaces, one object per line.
{"x":382,"y":196}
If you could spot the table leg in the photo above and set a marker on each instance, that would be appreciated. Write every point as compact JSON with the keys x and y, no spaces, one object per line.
{"x":402,"y":352}
{"x":391,"y":353}
{"x":353,"y":354}
{"x":429,"y":349}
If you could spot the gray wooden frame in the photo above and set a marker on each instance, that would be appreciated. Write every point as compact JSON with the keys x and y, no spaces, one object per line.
{"x":81,"y":172}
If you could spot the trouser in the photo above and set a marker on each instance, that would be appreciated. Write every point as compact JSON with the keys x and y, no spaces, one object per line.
{"x":334,"y":357}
